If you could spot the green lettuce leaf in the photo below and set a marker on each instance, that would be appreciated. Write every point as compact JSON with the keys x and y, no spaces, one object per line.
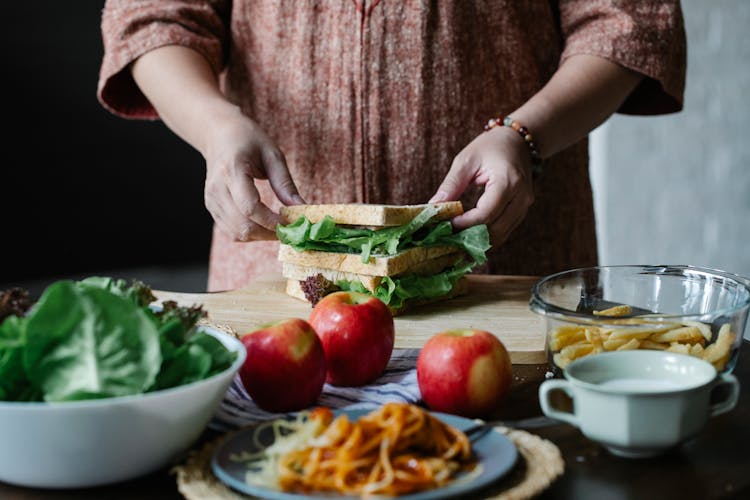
{"x":98,"y":338}
{"x":13,"y":381}
{"x":474,"y":240}
{"x":137,"y":292}
{"x":189,"y":356}
{"x":187,"y":363}
{"x":86,"y":343}
{"x":326,"y":236}
{"x":394,"y":291}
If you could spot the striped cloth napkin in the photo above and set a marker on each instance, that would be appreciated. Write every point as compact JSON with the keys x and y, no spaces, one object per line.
{"x":398,"y":383}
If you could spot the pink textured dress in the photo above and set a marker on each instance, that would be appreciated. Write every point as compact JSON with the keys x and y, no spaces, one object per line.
{"x":370,"y":100}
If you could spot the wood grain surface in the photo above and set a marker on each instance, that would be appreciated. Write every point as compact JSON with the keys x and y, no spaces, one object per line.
{"x":497,"y":304}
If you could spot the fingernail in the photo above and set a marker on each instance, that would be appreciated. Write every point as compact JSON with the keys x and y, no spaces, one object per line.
{"x":456,"y":222}
{"x":298,"y":200}
{"x":438,"y":197}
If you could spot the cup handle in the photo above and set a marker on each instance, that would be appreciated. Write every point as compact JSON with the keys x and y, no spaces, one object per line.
{"x":731,"y":400}
{"x":550,"y":386}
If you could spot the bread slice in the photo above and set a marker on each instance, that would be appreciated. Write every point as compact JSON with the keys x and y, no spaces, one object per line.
{"x":300,"y":273}
{"x":294,"y":289}
{"x":427,"y":267}
{"x":378,"y":265}
{"x":461,"y":288}
{"x":361,"y":214}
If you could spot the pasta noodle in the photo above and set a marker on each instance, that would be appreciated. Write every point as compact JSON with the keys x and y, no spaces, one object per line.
{"x":397,"y":449}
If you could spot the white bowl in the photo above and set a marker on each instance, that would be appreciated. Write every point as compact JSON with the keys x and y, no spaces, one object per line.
{"x":90,"y":443}
{"x":640,"y":404}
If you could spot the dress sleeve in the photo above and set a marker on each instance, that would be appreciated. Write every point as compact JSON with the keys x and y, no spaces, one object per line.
{"x":130,"y":28}
{"x":647,"y":36}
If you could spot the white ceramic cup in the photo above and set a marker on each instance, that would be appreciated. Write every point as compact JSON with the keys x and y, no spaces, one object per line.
{"x":639,"y":403}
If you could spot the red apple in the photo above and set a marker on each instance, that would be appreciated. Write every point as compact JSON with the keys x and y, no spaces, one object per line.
{"x":285,"y":368}
{"x":357,"y":334}
{"x":464,"y":372}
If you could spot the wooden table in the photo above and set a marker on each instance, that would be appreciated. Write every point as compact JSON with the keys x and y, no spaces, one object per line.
{"x":716,"y":464}
{"x":499,"y":304}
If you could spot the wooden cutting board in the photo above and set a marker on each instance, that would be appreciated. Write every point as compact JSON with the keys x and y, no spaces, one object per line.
{"x":498,"y":304}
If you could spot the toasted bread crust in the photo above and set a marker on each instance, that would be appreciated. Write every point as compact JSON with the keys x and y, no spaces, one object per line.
{"x":427,"y":267}
{"x":352,"y":263}
{"x":361,"y":214}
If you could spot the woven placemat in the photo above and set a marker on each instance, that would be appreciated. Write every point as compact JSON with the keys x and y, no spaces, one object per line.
{"x":539,"y":463}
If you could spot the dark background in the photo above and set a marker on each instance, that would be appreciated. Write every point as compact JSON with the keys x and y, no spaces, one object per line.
{"x":85,"y":191}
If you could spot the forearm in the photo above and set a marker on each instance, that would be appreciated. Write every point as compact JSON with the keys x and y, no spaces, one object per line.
{"x":184,"y":90}
{"x":581,"y":95}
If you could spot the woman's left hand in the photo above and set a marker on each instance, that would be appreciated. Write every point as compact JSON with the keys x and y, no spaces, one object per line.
{"x":499,"y":161}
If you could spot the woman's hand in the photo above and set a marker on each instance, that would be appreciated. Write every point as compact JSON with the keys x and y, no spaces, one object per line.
{"x":498,"y":160}
{"x":583,"y":92}
{"x":183,"y":88}
{"x":237,"y":152}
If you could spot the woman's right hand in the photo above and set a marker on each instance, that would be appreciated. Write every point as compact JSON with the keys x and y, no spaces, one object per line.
{"x":184,"y":90}
{"x":237,"y":151}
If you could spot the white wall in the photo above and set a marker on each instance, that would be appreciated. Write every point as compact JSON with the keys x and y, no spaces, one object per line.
{"x":675,"y":189}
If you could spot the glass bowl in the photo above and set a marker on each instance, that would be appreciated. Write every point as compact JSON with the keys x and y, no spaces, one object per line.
{"x":684,"y":309}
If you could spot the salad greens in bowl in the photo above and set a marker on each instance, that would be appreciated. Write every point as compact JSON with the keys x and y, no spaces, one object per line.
{"x":98,"y":385}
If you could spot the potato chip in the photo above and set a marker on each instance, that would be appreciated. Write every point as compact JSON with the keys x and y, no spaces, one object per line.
{"x":720,"y":349}
{"x":565,"y":330}
{"x":612,"y":344}
{"x":684,"y":334}
{"x":696,"y":350}
{"x":622,"y":310}
{"x":629,"y":345}
{"x":595,"y":337}
{"x":704,"y":328}
{"x":577,"y":350}
{"x":656,"y":346}
{"x":679,"y":348}
{"x":633,"y":333}
{"x":566,"y":335}
{"x":720,"y":363}
{"x":561,"y":360}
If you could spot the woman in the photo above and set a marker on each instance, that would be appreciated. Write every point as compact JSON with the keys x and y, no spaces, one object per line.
{"x":383,"y":101}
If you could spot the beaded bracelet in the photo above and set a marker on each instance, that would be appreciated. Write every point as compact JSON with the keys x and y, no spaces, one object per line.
{"x":536,"y":160}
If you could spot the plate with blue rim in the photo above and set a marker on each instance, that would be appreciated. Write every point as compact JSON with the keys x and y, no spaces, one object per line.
{"x":495,"y":453}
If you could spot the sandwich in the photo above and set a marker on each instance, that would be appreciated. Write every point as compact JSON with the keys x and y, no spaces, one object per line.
{"x":405,"y":255}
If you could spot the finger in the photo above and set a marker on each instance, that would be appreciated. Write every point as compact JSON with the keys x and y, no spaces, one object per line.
{"x":232,"y":222}
{"x":455,"y":182}
{"x":245,"y":230}
{"x":213,"y":198}
{"x":512,"y":217}
{"x":489,"y":206}
{"x":247,"y":202}
{"x":280,"y":179}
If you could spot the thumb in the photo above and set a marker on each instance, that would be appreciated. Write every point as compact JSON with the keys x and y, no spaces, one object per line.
{"x":455,"y":183}
{"x":280,"y":179}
